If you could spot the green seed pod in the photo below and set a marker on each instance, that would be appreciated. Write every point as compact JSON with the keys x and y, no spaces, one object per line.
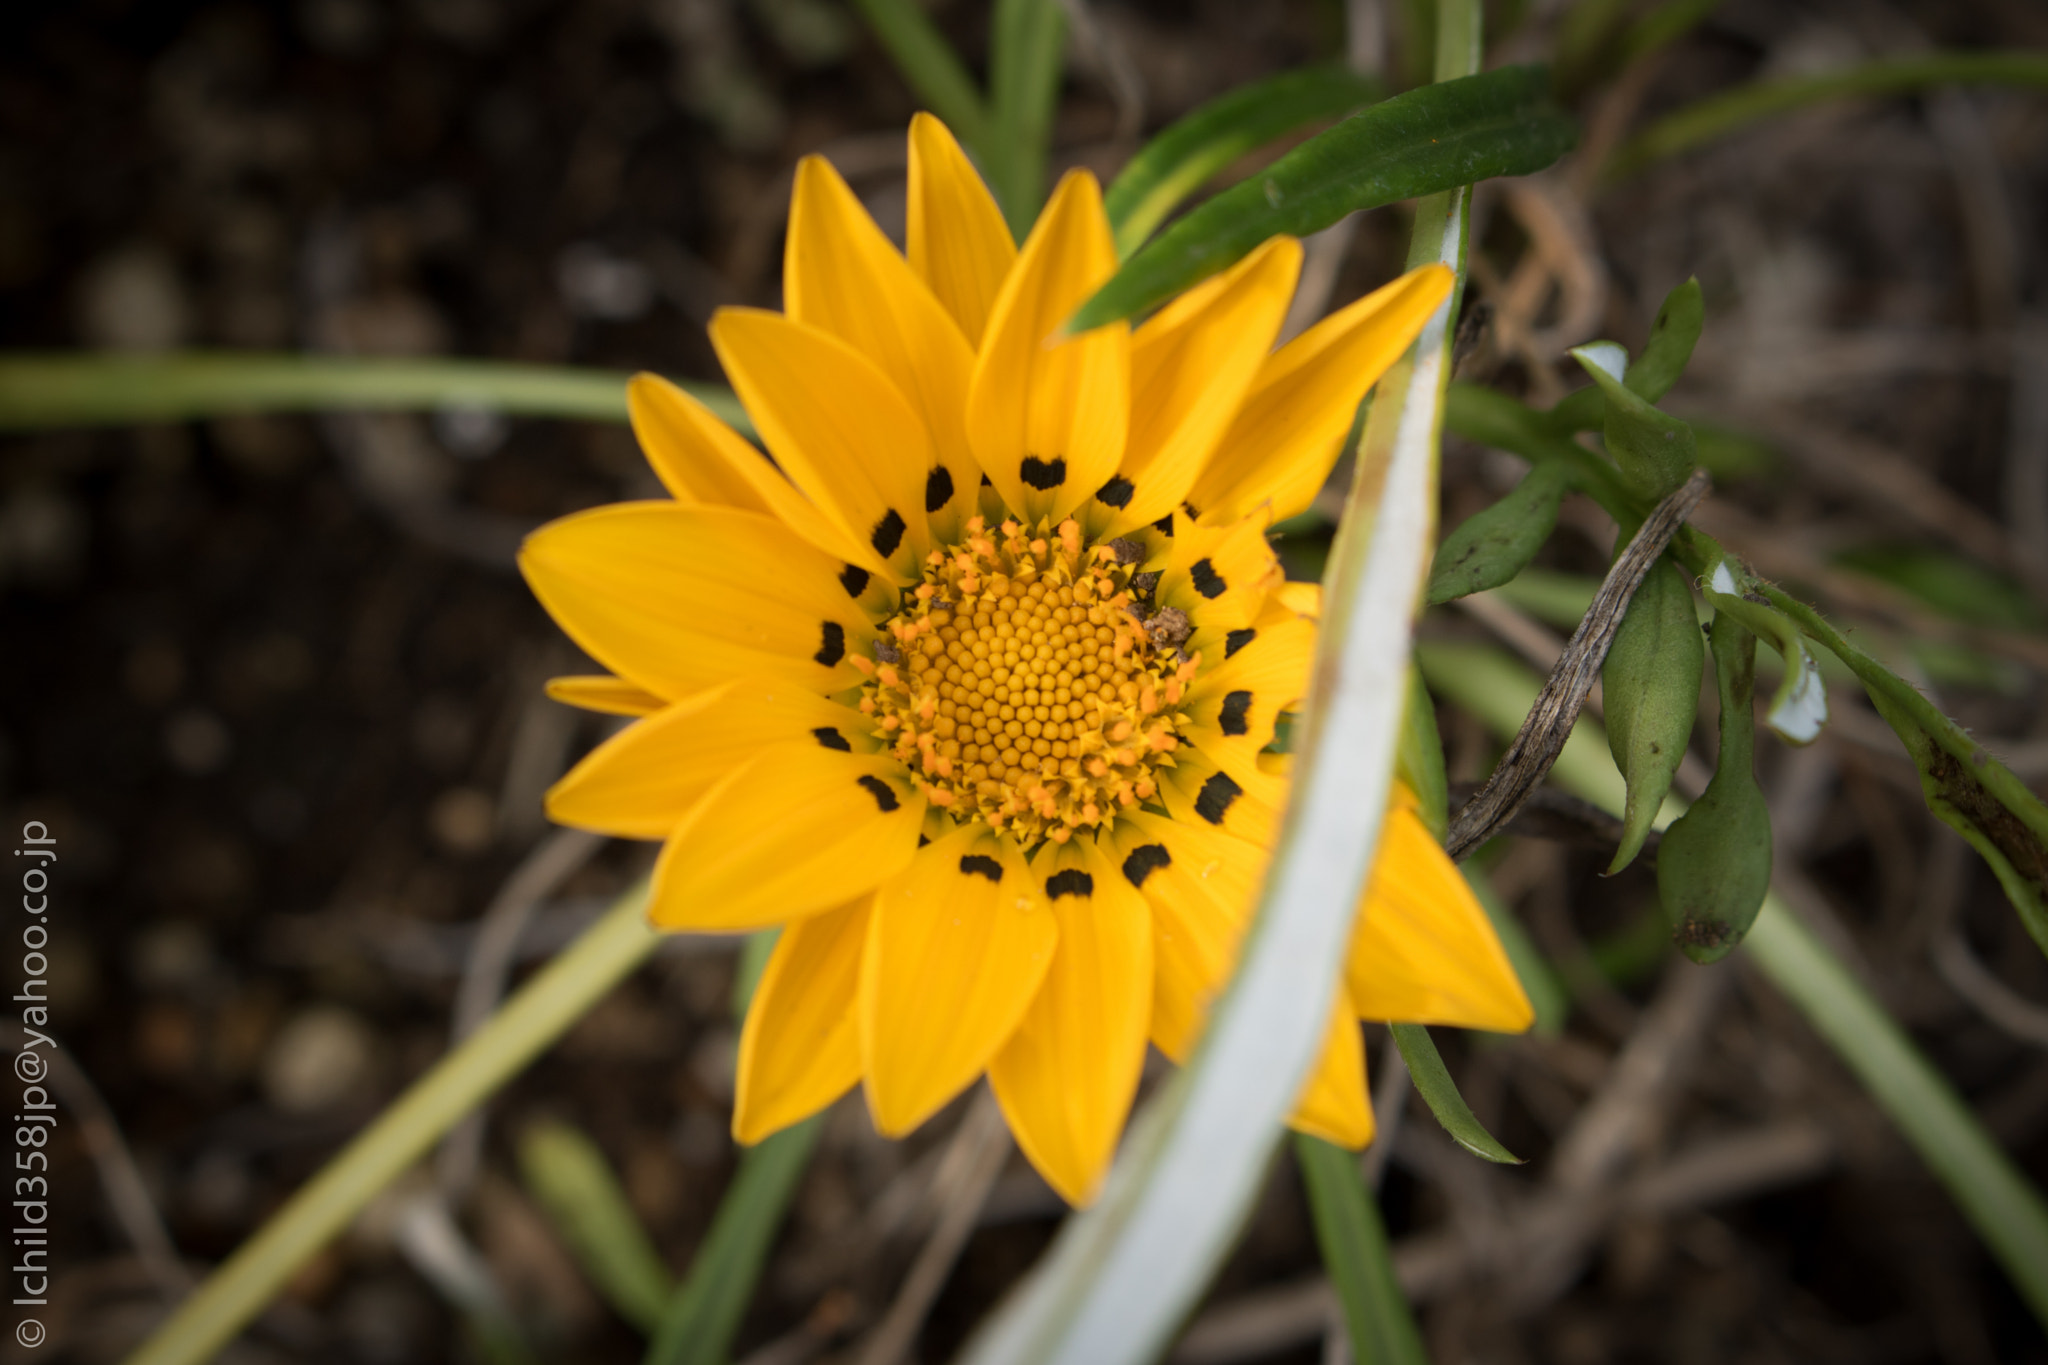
{"x":1714,"y":866}
{"x":1494,"y":545}
{"x":1655,"y":450}
{"x":1651,"y":684}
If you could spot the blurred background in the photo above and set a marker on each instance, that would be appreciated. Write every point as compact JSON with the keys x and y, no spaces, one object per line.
{"x":275,"y":685}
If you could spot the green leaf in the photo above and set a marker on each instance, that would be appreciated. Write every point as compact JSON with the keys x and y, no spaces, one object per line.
{"x":1799,"y":708}
{"x":1490,"y":547}
{"x":1353,"y":1242}
{"x":1655,"y":450}
{"x":701,"y":1318}
{"x":1672,"y":337}
{"x":583,"y":1200}
{"x":1025,"y":52}
{"x":1421,"y":761}
{"x":927,"y":61}
{"x":1665,"y":25}
{"x":1428,"y":140}
{"x":1175,"y":164}
{"x":1714,"y":866}
{"x":1650,"y":683}
{"x":1433,"y":1082}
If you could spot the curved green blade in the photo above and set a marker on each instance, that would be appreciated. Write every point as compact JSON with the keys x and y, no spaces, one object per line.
{"x":1174,"y":164}
{"x":1423,"y":142}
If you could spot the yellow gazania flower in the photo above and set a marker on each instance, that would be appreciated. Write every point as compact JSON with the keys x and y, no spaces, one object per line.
{"x":972,"y":694}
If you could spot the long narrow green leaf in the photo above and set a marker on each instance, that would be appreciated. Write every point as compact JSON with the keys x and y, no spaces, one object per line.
{"x":1424,"y":142}
{"x":930,"y":65}
{"x":1025,"y":52}
{"x":1174,"y":164}
{"x":2007,"y":1211}
{"x":1433,"y":1082}
{"x":1724,"y":113}
{"x":704,"y":1315}
{"x":584,"y":1201}
{"x":1122,"y":1274}
{"x":1353,"y":1241}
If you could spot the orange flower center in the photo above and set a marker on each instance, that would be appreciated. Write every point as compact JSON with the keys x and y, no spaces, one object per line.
{"x":1025,"y":685}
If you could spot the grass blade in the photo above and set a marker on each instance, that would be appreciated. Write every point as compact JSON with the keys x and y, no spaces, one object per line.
{"x":1175,"y":164}
{"x":1024,"y":82}
{"x":1433,"y":1082}
{"x":1420,"y":143}
{"x":934,"y":71}
{"x":1353,"y":1241}
{"x":584,"y":1201}
{"x":701,"y":1319}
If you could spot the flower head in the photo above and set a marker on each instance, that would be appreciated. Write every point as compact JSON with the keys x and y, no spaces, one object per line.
{"x":974,"y":689}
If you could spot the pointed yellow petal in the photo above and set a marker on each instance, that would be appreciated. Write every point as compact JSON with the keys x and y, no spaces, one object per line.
{"x":702,"y":460}
{"x":611,"y":696}
{"x":1047,"y":418}
{"x":800,"y":1049}
{"x":1067,"y":1078}
{"x":1202,"y":795}
{"x":838,"y":426}
{"x":1286,"y":436}
{"x":840,"y":274}
{"x":1424,"y":951}
{"x":957,"y":948}
{"x":1334,"y":1104}
{"x":640,"y":783}
{"x":795,"y":831}
{"x":957,"y":239}
{"x":1219,"y":574}
{"x":1200,"y":887}
{"x":677,"y":599}
{"x":1305,"y":599}
{"x":1232,"y":707}
{"x":1191,"y":365}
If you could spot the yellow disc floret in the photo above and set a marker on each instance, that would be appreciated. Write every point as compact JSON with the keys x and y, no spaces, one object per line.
{"x":1024,"y":685}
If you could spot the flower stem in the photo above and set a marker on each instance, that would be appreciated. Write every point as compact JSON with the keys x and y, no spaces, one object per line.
{"x":532,"y":1019}
{"x":54,"y":389}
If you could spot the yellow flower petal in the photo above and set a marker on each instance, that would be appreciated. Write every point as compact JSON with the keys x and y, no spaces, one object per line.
{"x":1305,"y":599}
{"x":702,"y":460}
{"x":800,"y":1049}
{"x":842,"y":275}
{"x":956,"y":950}
{"x":1191,"y":365}
{"x":1067,"y":1078}
{"x":1233,"y":706}
{"x":1200,"y":887}
{"x":677,"y":599}
{"x":1047,"y":418}
{"x":1200,"y":794}
{"x":602,"y":693}
{"x":1280,"y":448}
{"x":640,"y":783}
{"x":1334,"y":1104}
{"x":957,"y":240}
{"x":839,"y":428}
{"x":1424,"y":951}
{"x":795,"y":831}
{"x":1220,"y":575}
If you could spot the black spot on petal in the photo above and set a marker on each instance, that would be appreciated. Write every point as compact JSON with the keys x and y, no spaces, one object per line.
{"x":884,"y":794}
{"x":831,"y":739}
{"x":1072,"y":882}
{"x":978,"y":865}
{"x":888,"y":533}
{"x":854,"y":579}
{"x":1164,"y":526}
{"x":1044,"y":475}
{"x":923,"y":839}
{"x":938,"y":488}
{"x":1116,"y":493}
{"x":834,"y":647}
{"x":987,"y":482}
{"x":1238,"y":639}
{"x":1215,"y":798}
{"x":1207,"y":581}
{"x":1143,"y":861}
{"x":1232,"y":717}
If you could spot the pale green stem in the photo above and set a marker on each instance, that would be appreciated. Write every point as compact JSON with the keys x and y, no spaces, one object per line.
{"x":50,"y":389}
{"x":1722,"y":114}
{"x":1996,"y":1199}
{"x":535,"y":1017}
